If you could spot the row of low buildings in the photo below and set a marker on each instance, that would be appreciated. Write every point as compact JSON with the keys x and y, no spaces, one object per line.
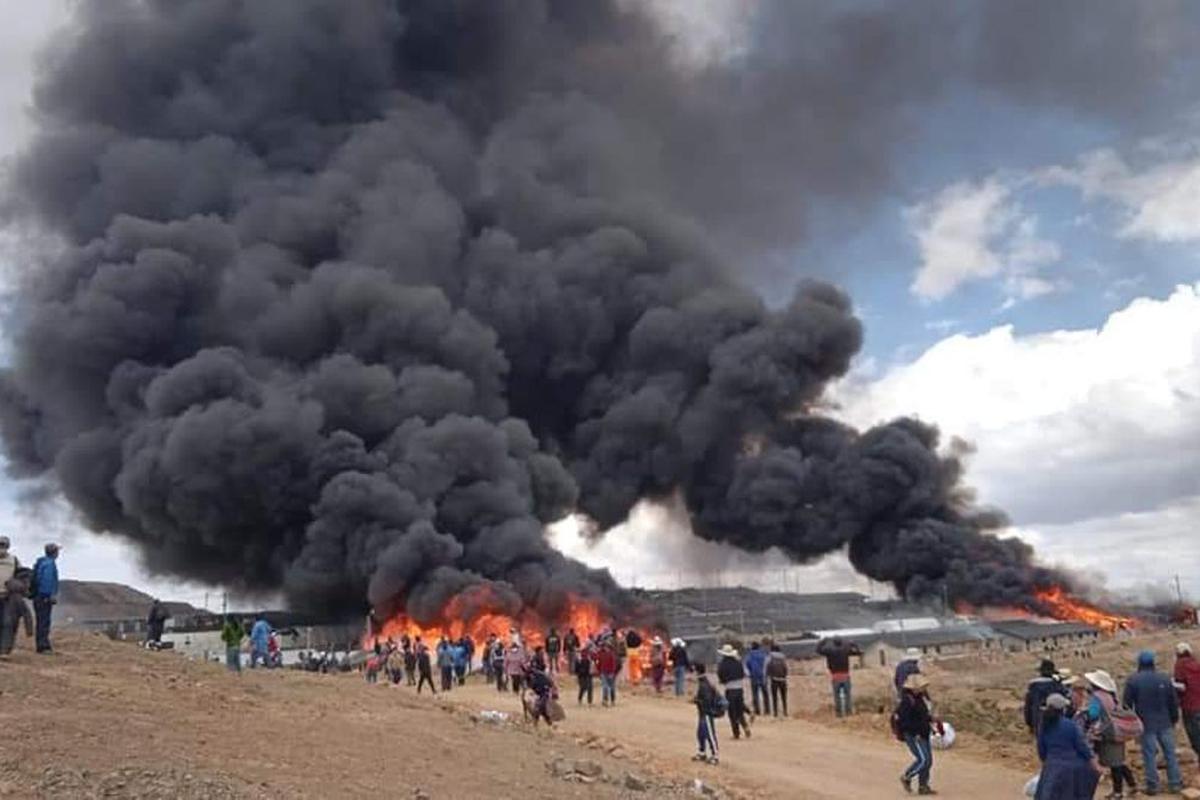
{"x":883,"y":630}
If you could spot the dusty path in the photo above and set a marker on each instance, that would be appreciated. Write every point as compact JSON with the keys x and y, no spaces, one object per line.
{"x":792,"y":758}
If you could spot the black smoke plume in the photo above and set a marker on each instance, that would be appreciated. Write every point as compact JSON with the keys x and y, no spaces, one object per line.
{"x":354,"y":297}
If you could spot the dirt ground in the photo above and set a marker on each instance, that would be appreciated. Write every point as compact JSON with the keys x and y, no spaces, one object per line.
{"x":105,"y":719}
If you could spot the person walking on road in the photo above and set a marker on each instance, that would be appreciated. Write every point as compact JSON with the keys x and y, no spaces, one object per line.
{"x":756,"y":668}
{"x":915,"y":724}
{"x":1151,"y":694}
{"x":777,"y":675}
{"x":232,"y":634}
{"x":709,"y":705}
{"x":1187,"y":677}
{"x":837,"y":652}
{"x":732,"y":676}
{"x":45,"y":595}
{"x":1070,"y":770}
{"x":679,"y":665}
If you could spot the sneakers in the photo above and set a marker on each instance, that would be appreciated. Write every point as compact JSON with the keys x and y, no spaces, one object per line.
{"x":699,"y":757}
{"x":925,"y":790}
{"x":906,"y":783}
{"x":714,"y":761}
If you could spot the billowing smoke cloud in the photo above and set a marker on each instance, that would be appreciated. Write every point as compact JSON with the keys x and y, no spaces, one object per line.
{"x":356,"y":296}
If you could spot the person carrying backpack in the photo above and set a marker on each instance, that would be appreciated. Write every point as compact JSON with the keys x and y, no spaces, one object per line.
{"x":1151,"y":694}
{"x":777,"y":675}
{"x":1041,"y":687}
{"x":15,"y":610}
{"x":913,"y":724}
{"x":1099,"y":711}
{"x":709,"y":706}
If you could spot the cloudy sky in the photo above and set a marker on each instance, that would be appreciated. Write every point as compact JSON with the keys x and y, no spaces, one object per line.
{"x":1034,"y":290}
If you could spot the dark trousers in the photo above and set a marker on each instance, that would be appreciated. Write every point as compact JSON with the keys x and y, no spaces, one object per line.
{"x":759,"y":690}
{"x":706,"y":736}
{"x":585,"y":688}
{"x":737,"y":712}
{"x":501,"y":678}
{"x":1122,"y":776}
{"x":779,"y":696}
{"x":426,"y":678}
{"x":922,"y":758}
{"x":1191,"y":724}
{"x":516,"y":683}
{"x":42,"y":607}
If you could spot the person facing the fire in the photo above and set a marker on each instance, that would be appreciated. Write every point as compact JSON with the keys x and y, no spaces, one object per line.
{"x":584,"y":674}
{"x":445,"y":664}
{"x":497,"y":657}
{"x":837,"y":652}
{"x":424,"y":666}
{"x":232,"y":634}
{"x":756,"y":667}
{"x":571,"y":645}
{"x":1045,"y":684}
{"x":1070,"y":769}
{"x":514,"y":665}
{"x":553,"y":648}
{"x":410,"y":660}
{"x":1152,"y":695}
{"x":732,"y":676}
{"x":679,"y":665}
{"x":459,"y":659}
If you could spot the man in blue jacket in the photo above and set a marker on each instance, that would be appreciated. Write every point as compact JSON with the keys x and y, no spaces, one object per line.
{"x":45,"y":595}
{"x":756,"y":668}
{"x":1151,"y":694}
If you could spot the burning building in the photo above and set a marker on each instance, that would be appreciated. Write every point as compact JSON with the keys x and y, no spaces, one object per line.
{"x":347,"y":301}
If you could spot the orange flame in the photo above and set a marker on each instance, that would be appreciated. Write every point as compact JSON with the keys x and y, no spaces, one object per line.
{"x":460,"y":619}
{"x":1058,"y":604}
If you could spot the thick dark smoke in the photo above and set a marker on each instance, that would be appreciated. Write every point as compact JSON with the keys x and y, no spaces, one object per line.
{"x":357,"y":296}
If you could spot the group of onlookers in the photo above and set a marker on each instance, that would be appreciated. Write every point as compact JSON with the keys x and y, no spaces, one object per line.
{"x":1083,"y":725}
{"x":764,"y":668}
{"x":19,"y":585}
{"x":264,"y":643}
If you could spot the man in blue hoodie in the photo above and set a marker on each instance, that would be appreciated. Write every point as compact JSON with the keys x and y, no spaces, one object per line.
{"x":260,"y":641}
{"x":45,"y":595}
{"x":756,"y":668}
{"x":1151,"y":694}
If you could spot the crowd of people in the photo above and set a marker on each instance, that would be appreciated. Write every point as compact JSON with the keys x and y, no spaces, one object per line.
{"x":20,"y":585}
{"x":1084,"y":724}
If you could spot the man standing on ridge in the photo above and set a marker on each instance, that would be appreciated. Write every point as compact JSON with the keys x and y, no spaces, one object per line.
{"x":232,"y":634}
{"x":8,"y":567}
{"x":756,"y":667}
{"x":1151,"y":694}
{"x":837,"y":654}
{"x":260,"y":641}
{"x":45,"y":595}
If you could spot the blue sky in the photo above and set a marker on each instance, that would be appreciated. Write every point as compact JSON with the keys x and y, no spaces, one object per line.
{"x":1029,"y":282}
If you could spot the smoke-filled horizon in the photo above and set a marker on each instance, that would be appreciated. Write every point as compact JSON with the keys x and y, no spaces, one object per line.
{"x":356,"y":297}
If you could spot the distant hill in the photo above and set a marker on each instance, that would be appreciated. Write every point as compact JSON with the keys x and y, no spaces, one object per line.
{"x":98,"y":601}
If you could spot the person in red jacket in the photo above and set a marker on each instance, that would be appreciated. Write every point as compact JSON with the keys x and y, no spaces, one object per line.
{"x":1187,"y":676}
{"x":607,"y":666}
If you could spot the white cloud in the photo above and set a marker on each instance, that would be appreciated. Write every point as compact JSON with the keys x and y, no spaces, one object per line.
{"x":1159,"y":200}
{"x":655,"y":548}
{"x":977,"y":231}
{"x":23,"y":32}
{"x":1078,"y":432}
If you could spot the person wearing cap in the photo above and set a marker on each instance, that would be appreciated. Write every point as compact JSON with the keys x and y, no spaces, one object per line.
{"x":732,"y":676}
{"x":1041,"y":687}
{"x":756,"y":668}
{"x":1151,"y":694}
{"x":15,"y":610}
{"x":45,"y":595}
{"x":1069,"y":767}
{"x":914,"y":722}
{"x":679,"y":665}
{"x":1187,"y":680}
{"x":1097,"y":713}
{"x":910,"y":665}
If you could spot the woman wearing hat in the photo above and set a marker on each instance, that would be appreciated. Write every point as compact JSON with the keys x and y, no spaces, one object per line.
{"x":732,"y":676}
{"x":915,"y":723}
{"x":1070,"y":770}
{"x":1098,"y":714}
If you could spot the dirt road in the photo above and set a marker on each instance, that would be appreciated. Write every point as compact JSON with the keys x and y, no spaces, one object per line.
{"x":793,"y":758}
